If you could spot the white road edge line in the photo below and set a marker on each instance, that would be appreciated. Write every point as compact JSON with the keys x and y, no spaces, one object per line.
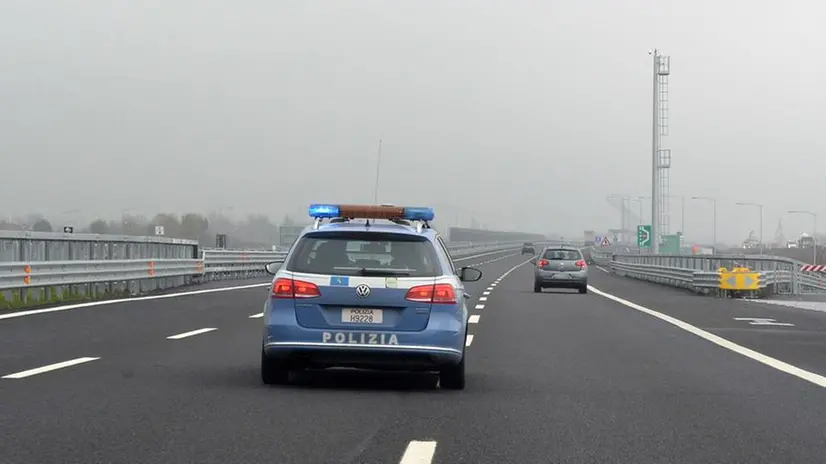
{"x":469,"y":340}
{"x":256,"y":316}
{"x":50,"y":367}
{"x":727,"y":344}
{"x":419,"y":452}
{"x":474,"y":319}
{"x":191,"y":333}
{"x":127,"y":300}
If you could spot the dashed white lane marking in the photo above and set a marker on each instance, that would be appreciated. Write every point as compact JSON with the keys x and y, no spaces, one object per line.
{"x":256,"y":316}
{"x":419,"y":452}
{"x":729,"y":345}
{"x":474,"y":319}
{"x":469,"y":340}
{"x":489,"y":289}
{"x":191,"y":333}
{"x":483,"y":298}
{"x":50,"y":367}
{"x":480,"y":307}
{"x":485,"y":293}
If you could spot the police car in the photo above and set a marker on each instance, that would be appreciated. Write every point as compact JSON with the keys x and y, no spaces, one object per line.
{"x":374,"y":287}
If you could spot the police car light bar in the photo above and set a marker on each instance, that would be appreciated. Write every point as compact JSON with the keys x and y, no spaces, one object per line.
{"x":326,"y":211}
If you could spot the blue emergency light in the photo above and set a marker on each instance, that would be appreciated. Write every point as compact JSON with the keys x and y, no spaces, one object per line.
{"x":326,"y":211}
{"x":418,"y":213}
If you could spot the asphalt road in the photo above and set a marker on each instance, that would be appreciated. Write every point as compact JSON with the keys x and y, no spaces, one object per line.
{"x":555,"y":377}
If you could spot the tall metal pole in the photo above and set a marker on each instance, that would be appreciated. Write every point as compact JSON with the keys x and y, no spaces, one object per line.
{"x":655,"y":145}
{"x":378,"y":170}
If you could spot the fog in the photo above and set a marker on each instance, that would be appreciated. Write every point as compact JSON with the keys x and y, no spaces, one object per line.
{"x":520,"y":115}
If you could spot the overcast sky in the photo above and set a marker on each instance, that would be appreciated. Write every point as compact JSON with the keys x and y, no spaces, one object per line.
{"x":528,"y":112}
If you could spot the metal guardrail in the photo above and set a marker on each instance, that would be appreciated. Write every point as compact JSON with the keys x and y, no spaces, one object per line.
{"x":723,"y":275}
{"x":32,"y":282}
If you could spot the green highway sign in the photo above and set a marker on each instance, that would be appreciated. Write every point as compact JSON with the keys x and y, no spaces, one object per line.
{"x":644,"y":236}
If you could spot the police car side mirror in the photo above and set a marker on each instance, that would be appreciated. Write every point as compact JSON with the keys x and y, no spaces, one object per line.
{"x":533,"y":261}
{"x":272,"y":268}
{"x":470,"y":274}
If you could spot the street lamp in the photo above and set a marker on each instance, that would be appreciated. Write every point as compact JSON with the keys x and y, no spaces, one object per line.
{"x":814,"y":232}
{"x":760,"y":207}
{"x":714,"y":202}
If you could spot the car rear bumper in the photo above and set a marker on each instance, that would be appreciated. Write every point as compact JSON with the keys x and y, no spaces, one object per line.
{"x":561,"y":279}
{"x":399,"y":357}
{"x":440,"y":344}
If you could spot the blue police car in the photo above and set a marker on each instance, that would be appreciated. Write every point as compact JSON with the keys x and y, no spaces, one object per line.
{"x":373,"y":288}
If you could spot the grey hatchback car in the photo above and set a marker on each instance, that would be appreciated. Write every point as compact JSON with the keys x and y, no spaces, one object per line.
{"x":560,"y":267}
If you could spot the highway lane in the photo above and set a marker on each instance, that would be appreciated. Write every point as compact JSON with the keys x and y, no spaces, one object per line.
{"x":41,"y":339}
{"x":563,"y":377}
{"x":793,"y":335}
{"x":553,"y":377}
{"x":200,"y":399}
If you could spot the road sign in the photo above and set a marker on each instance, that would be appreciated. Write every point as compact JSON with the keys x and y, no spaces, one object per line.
{"x":734,"y":280}
{"x":597,"y":240}
{"x":159,"y":230}
{"x":68,"y":230}
{"x":644,"y":236}
{"x":605,"y":242}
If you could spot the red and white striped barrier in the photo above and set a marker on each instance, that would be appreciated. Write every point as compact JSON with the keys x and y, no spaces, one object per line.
{"x":813,"y":268}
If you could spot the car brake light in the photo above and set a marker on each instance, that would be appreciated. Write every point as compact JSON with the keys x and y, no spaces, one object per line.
{"x":581,"y":263}
{"x":437,"y":293}
{"x":543,"y":263}
{"x":289,"y":288}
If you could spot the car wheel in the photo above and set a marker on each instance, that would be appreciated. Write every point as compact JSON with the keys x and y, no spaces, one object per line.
{"x":583,"y":289}
{"x":273,"y":372}
{"x":453,"y":377}
{"x":537,"y":288}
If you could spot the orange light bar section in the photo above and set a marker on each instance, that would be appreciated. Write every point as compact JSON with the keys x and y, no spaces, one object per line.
{"x":370,"y":211}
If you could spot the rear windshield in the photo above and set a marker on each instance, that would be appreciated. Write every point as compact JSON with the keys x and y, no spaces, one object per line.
{"x":562,"y":255}
{"x":358,"y":253}
{"x":528,"y":244}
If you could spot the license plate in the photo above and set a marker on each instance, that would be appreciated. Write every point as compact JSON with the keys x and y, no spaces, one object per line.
{"x":361,"y":316}
{"x":560,"y":275}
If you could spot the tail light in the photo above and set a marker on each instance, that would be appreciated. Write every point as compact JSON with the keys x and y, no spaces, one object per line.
{"x":438,"y":293}
{"x":543,"y":263}
{"x":581,"y":264}
{"x":289,"y":288}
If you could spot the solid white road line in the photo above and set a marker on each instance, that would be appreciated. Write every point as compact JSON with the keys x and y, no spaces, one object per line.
{"x":419,"y":452}
{"x":474,"y":319}
{"x":256,"y":316}
{"x":469,"y":340}
{"x":50,"y":367}
{"x":729,"y":345}
{"x":190,"y":334}
{"x":480,"y":307}
{"x":127,"y":300}
{"x":483,"y":254}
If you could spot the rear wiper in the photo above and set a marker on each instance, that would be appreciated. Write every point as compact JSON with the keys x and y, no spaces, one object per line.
{"x":383,"y":272}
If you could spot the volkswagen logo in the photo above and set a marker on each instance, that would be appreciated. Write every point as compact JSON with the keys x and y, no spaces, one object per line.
{"x":363,"y":291}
